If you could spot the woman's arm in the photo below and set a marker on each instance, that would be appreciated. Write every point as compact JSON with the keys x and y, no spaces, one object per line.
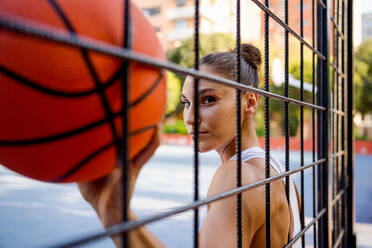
{"x":105,"y":194}
{"x":143,"y":237}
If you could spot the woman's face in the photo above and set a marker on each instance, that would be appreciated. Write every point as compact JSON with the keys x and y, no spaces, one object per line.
{"x":217,"y":112}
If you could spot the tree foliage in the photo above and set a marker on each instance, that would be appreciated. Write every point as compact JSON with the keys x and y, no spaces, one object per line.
{"x":277,"y":107}
{"x":173,"y":92}
{"x":363,"y":78}
{"x":208,"y":43}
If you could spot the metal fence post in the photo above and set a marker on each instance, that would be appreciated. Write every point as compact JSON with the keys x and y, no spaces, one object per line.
{"x":324,"y":181}
{"x":350,"y":214}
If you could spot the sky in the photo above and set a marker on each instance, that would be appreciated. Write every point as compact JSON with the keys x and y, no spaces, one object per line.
{"x":360,"y":7}
{"x":366,"y":5}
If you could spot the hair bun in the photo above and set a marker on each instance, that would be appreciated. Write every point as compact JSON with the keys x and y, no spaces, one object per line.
{"x":251,"y":55}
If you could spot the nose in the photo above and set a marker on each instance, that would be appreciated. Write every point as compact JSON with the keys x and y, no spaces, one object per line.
{"x":190,"y":116}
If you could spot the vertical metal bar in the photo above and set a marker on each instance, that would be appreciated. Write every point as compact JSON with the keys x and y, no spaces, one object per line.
{"x":319,"y":121}
{"x":286,"y":112}
{"x":125,"y":147}
{"x":196,"y":125}
{"x":337,"y":119}
{"x":351,"y":237}
{"x":343,"y":206}
{"x":313,"y":122}
{"x":334,"y":121}
{"x":327,"y":193}
{"x":238,"y":129}
{"x":336,"y":165}
{"x":341,"y":118}
{"x":324,"y":189}
{"x":302,"y":215}
{"x":267,"y":129}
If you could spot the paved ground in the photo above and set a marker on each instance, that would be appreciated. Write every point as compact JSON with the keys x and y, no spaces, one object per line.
{"x":34,"y":214}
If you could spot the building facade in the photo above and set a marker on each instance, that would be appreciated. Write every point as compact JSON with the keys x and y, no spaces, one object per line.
{"x":174,"y":19}
{"x":294,"y":18}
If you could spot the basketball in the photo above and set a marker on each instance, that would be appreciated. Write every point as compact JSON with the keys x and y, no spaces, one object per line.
{"x":61,"y":106}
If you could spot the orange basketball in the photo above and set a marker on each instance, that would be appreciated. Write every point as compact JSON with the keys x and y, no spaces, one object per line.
{"x":61,"y":106}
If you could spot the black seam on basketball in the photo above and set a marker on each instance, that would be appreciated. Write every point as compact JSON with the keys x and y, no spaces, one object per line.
{"x":53,"y":137}
{"x":84,"y":53}
{"x":141,"y":130}
{"x":69,"y":133}
{"x":62,"y":15}
{"x":91,"y":156}
{"x":148,"y":92}
{"x":109,"y":114}
{"x":96,"y":153}
{"x":23,"y":80}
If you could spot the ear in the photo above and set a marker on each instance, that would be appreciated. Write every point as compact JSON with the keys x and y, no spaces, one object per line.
{"x":250,"y":103}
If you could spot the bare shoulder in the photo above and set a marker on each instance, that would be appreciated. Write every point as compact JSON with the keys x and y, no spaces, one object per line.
{"x":225,"y":178}
{"x":222,"y":213}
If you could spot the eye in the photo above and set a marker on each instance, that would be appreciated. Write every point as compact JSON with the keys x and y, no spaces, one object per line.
{"x":186,"y":103}
{"x":208,"y":100}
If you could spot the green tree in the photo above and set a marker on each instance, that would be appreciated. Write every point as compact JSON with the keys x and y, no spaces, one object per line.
{"x":184,"y":54}
{"x":295,"y":70}
{"x":363,"y":78}
{"x":173,"y":92}
{"x":277,"y":107}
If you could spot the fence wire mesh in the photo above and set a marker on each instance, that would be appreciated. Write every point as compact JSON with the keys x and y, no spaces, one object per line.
{"x":331,"y":111}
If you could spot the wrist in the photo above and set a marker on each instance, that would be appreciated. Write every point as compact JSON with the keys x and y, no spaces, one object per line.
{"x":132,"y":215}
{"x":110,"y":205}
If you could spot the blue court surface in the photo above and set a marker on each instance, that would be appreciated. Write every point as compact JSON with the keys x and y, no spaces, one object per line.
{"x":35,"y":214}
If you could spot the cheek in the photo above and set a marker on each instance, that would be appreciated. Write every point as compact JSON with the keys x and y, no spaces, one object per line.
{"x":222,"y":122}
{"x":184,"y":116}
{"x":227,"y":126}
{"x":208,"y":117}
{"x":185,"y":121}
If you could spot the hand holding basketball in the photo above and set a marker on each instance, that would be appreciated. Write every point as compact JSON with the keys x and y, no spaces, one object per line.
{"x":105,"y":194}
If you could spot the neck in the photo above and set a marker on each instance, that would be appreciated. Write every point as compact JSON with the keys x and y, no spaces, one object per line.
{"x":249,"y":139}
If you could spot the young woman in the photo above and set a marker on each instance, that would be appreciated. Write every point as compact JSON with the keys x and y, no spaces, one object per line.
{"x":217,"y":131}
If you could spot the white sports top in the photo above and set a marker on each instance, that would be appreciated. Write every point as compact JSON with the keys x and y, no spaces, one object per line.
{"x":257,"y":152}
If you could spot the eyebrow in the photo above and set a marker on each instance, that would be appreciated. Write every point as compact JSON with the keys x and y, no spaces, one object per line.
{"x":206,"y":90}
{"x":201,"y":91}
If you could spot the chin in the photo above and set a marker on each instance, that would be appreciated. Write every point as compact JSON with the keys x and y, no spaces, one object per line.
{"x":205,"y":148}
